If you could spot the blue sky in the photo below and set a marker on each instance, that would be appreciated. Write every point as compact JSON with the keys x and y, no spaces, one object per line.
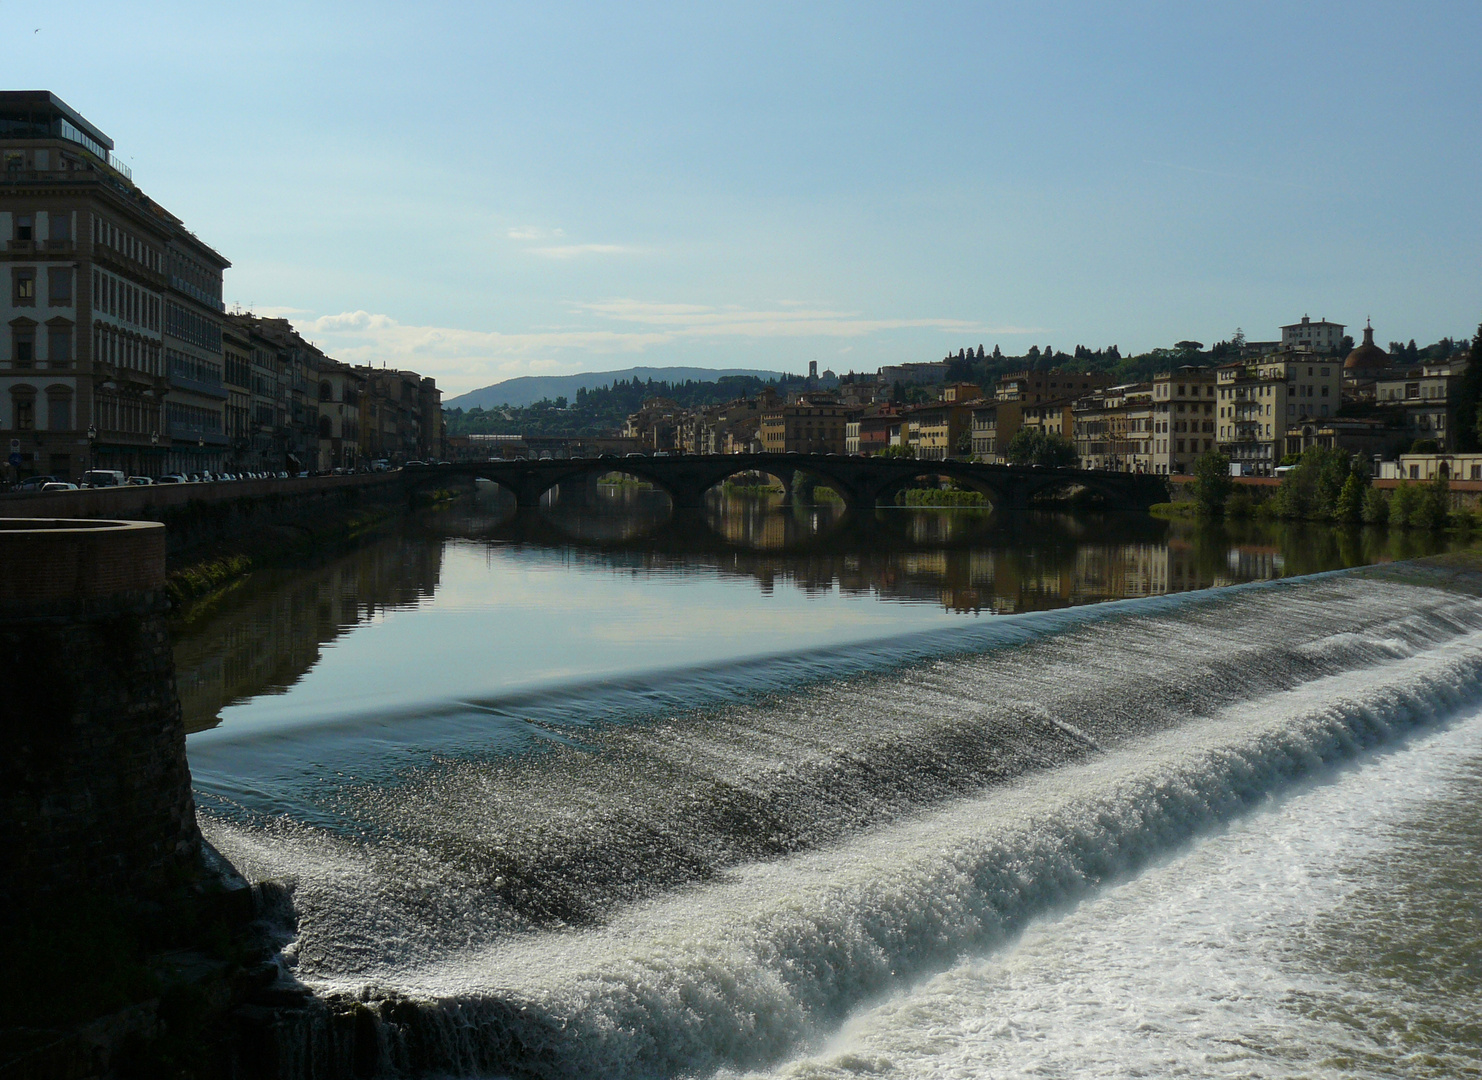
{"x":479,"y":191}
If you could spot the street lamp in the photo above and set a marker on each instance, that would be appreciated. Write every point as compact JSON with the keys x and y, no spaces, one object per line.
{"x":92,"y":447}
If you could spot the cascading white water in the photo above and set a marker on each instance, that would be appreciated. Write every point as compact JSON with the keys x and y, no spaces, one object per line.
{"x":718,"y":887}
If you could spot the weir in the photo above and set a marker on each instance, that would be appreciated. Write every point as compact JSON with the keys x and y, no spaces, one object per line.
{"x":690,"y":887}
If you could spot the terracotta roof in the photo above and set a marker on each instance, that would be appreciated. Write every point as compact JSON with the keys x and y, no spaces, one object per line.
{"x":1368,"y":356}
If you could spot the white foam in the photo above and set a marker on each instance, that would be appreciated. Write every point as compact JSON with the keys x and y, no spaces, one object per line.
{"x":1214,"y":964}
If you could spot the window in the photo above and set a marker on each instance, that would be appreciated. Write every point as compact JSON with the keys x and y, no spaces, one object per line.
{"x":23,"y":286}
{"x":58,"y":408}
{"x":23,"y":345}
{"x":59,"y":286}
{"x":24,"y":229}
{"x":23,"y":408}
{"x":59,"y":345}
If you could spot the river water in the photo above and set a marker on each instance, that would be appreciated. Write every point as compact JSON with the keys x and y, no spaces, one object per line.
{"x":597,"y":792}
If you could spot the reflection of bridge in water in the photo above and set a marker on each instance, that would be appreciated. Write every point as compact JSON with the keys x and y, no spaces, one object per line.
{"x":963,"y":560}
{"x":862,"y":482}
{"x":262,"y":637}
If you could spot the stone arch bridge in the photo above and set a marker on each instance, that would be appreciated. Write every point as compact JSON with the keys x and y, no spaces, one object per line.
{"x":862,"y":482}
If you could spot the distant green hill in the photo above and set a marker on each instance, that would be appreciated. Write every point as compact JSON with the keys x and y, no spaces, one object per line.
{"x":603,"y":410}
{"x":529,"y":389}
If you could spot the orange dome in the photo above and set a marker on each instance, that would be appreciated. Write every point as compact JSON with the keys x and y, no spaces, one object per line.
{"x":1368,"y":357}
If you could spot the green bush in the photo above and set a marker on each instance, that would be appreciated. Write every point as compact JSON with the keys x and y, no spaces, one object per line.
{"x":1035,"y":446}
{"x":1240,"y":505}
{"x":1350,"y":505}
{"x":1435,"y":503}
{"x":1312,"y":489}
{"x":942,"y":497}
{"x":1404,"y":504}
{"x":1212,"y":483}
{"x":1375,"y":507}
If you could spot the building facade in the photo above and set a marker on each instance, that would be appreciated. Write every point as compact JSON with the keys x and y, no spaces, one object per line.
{"x":1321,"y":336}
{"x":1184,"y":422}
{"x":1113,"y":428}
{"x":82,"y":371}
{"x":803,"y":428}
{"x":195,"y":411}
{"x":1259,"y":402}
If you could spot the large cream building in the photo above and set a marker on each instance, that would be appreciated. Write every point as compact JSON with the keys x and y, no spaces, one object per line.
{"x":1260,"y":402}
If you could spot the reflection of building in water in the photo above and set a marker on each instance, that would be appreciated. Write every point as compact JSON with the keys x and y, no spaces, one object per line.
{"x":264,"y":636}
{"x":1251,"y":562}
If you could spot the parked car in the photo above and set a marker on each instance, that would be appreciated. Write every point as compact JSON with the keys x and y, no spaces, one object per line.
{"x":35,"y":483}
{"x":172,"y":478}
{"x":140,"y":481}
{"x":58,"y":485}
{"x":99,"y":478}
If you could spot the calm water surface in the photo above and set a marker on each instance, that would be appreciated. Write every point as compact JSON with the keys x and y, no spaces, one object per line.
{"x":470,"y":603}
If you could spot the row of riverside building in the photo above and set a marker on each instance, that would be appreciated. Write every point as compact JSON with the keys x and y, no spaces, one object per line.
{"x":117,"y":351}
{"x":1278,"y":398}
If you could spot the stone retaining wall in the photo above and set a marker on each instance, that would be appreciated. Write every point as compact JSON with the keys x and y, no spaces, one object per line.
{"x":198,"y":514}
{"x":94,"y":788}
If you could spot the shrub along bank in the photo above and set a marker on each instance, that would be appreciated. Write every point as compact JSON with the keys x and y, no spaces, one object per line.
{"x":1328,"y":484}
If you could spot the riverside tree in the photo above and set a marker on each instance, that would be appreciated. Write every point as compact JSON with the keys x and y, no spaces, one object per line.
{"x":1435,"y":504}
{"x":1469,"y":401}
{"x":1035,"y":446}
{"x":1212,"y":482}
{"x":1312,"y":488}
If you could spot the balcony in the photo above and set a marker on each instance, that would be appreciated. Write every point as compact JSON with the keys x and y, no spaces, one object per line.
{"x":191,"y":434}
{"x":203,"y":387}
{"x":200,"y":296}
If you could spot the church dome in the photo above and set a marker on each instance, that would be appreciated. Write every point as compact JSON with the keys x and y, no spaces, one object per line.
{"x":1368,"y":357}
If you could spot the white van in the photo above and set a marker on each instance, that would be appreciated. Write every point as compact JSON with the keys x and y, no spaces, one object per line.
{"x":95,"y":478}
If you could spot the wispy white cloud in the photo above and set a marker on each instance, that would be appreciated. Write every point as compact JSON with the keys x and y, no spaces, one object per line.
{"x":534,"y":232}
{"x":462,"y":359}
{"x":551,"y":244}
{"x":573,"y":251}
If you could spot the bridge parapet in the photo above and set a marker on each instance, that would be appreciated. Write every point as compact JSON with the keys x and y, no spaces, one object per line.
{"x":860,"y":481}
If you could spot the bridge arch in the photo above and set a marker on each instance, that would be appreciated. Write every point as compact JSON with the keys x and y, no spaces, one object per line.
{"x":889,"y":491}
{"x":1109,"y":488}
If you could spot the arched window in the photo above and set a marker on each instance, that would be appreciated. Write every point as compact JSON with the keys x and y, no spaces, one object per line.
{"x":326,"y":392}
